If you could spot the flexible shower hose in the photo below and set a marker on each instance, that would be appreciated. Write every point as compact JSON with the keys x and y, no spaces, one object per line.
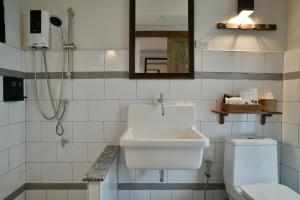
{"x":58,"y":112}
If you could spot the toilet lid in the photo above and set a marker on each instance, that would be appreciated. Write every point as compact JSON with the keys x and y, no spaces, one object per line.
{"x":269,"y":192}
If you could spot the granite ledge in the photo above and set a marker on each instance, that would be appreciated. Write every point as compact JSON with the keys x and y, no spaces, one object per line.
{"x":100,"y":168}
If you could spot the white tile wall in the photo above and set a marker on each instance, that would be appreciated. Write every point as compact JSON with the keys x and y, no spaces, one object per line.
{"x":140,"y":195}
{"x":183,"y":176}
{"x":96,"y":115}
{"x":16,"y":156}
{"x":33,"y":172}
{"x":292,"y":60}
{"x":289,"y":177}
{"x":4,"y":113}
{"x":77,"y":111}
{"x":54,"y":60}
{"x":213,"y":89}
{"x":160,"y":195}
{"x":80,"y":170}
{"x":249,"y":62}
{"x":120,"y":89}
{"x":182,"y":195}
{"x":36,"y":194}
{"x":185,"y":89}
{"x":274,"y":62}
{"x":10,"y":136}
{"x":94,"y":150}
{"x":11,"y":181}
{"x":198,"y":60}
{"x":217,"y":61}
{"x":16,"y":112}
{"x":95,"y":91}
{"x":273,"y":130}
{"x":49,"y":131}
{"x":33,"y":131}
{"x":85,"y":60}
{"x":41,"y":152}
{"x":116,"y":60}
{"x":290,"y":134}
{"x":147,"y":176}
{"x":12,"y":115}
{"x":148,"y":89}
{"x":88,"y":132}
{"x":55,"y":86}
{"x":290,"y":150}
{"x":123,"y":195}
{"x":57,"y":173}
{"x":57,"y":194}
{"x":107,"y":110}
{"x":114,"y":130}
{"x":216,"y":131}
{"x":77,"y":195}
{"x":291,"y":90}
{"x":4,"y":162}
{"x":73,"y":152}
{"x":246,"y":128}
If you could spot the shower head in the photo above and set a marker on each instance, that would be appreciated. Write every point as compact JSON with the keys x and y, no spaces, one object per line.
{"x":55,"y":21}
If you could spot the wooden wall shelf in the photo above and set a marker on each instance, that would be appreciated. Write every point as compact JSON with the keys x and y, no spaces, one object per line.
{"x":256,"y":27}
{"x":263,"y":115}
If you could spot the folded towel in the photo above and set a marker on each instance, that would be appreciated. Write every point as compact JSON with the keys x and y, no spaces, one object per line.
{"x":234,"y":100}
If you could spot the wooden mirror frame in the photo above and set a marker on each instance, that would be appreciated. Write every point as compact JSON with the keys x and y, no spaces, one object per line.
{"x":132,"y":34}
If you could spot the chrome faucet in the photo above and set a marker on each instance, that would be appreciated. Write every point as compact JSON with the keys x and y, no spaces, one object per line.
{"x":162,"y":103}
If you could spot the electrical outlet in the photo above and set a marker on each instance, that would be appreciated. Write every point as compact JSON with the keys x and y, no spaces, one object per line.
{"x":201,"y":44}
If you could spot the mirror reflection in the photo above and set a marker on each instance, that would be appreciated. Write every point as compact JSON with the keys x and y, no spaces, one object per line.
{"x":161,"y":36}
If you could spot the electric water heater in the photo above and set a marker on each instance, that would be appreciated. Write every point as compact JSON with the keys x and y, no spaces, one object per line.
{"x":39,"y":28}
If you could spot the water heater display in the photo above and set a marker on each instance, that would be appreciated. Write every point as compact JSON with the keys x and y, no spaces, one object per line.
{"x":13,"y":89}
{"x":39,"y":27}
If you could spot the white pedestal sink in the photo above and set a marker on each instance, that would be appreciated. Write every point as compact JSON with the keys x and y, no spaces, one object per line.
{"x":153,"y":141}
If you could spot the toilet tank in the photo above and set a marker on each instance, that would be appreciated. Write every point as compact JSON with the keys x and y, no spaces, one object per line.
{"x":250,"y":160}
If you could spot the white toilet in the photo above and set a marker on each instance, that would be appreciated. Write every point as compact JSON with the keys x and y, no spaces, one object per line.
{"x":251,"y":170}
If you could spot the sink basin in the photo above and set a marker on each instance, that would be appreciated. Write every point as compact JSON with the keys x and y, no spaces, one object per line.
{"x":154,"y":141}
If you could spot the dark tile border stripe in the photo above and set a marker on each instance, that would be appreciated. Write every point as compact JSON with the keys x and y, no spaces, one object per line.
{"x":8,"y":72}
{"x":170,"y":186}
{"x":125,"y":75}
{"x":46,"y":186}
{"x":56,"y":186}
{"x":80,"y":75}
{"x":121,"y":186}
{"x":198,"y":75}
{"x":16,"y":193}
{"x":238,"y":76}
{"x":291,"y":75}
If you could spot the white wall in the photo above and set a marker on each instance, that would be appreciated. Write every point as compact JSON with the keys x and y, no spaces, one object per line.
{"x":98,"y":24}
{"x":103,"y":24}
{"x":209,"y":12}
{"x":12,"y":115}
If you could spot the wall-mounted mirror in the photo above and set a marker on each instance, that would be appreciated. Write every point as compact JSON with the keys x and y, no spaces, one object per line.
{"x":161,"y":39}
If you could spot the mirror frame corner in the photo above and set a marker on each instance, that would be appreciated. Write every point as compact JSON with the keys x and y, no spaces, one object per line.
{"x":133,"y":75}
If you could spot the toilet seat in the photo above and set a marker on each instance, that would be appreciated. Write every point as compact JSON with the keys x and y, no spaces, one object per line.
{"x":268,"y":192}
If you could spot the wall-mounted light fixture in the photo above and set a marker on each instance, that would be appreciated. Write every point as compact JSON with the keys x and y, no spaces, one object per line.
{"x":243,"y":21}
{"x":245,"y":7}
